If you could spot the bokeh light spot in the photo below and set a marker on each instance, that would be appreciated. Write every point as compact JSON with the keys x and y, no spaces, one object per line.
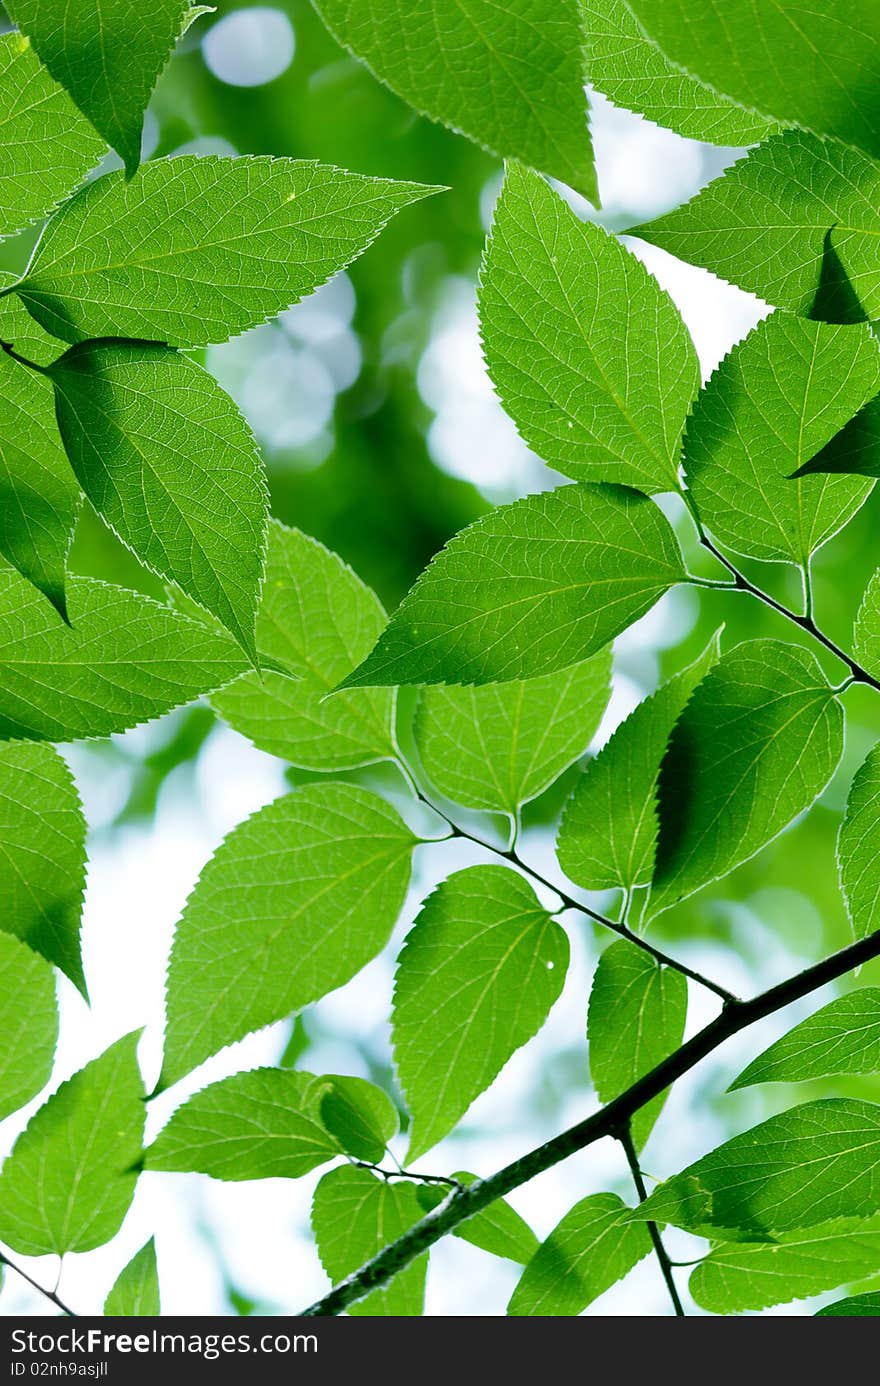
{"x":249,"y":47}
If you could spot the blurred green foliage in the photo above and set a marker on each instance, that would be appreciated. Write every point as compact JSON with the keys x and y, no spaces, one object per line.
{"x":378,"y":499}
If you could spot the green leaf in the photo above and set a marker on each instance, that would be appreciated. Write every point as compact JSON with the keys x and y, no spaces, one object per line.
{"x":498,"y":1229}
{"x":70,"y":1179}
{"x":757,"y":743}
{"x":46,"y":148}
{"x":264,"y":1124}
{"x":294,"y":902}
{"x":508,"y":75}
{"x":588,"y":354}
{"x":42,"y":855}
{"x":813,"y":66}
{"x":633,"y":73}
{"x":608,"y":834}
{"x":122,"y":660}
{"x":531,"y":588}
{"x":586,"y":1253}
{"x":39,"y":497}
{"x":778,"y":398}
{"x":859,"y":1307}
{"x":196,"y":249}
{"x":135,"y":1293}
{"x":855,"y":450}
{"x":858,"y":847}
{"x":29,"y":1031}
{"x":354,"y":1215}
{"x":802,"y":1167}
{"x":167,"y":459}
{"x":766,"y":224}
{"x":20,"y":331}
{"x":476,"y":979}
{"x":843,"y":1037}
{"x":867,"y":628}
{"x":108,"y":54}
{"x":317,"y":620}
{"x":736,"y":1277}
{"x":498,"y":746}
{"x":298,"y":1042}
{"x":359,"y":1115}
{"x":636,"y":1018}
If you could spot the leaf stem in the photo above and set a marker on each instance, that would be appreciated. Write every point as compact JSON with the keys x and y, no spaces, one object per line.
{"x":625,"y":905}
{"x":608,"y":1121}
{"x":807,"y":578}
{"x":624,"y":1135}
{"x":714,"y":584}
{"x":22,"y":360}
{"x":41,"y":1289}
{"x":568,"y":901}
{"x":400,"y":1173}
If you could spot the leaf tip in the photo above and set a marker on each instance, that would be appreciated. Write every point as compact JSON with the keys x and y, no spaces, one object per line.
{"x":165,"y":1081}
{"x":58,"y":597}
{"x":358,"y":678}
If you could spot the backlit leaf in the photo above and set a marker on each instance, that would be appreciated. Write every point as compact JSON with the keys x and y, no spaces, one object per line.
{"x":509,"y":75}
{"x":263,"y":1124}
{"x":39,"y":495}
{"x":636,"y":1019}
{"x":108,"y":54}
{"x":794,"y":222}
{"x":135,"y":1293}
{"x":29,"y":1031}
{"x":588,"y":354}
{"x":72,"y":1173}
{"x":196,"y":249}
{"x":167,"y":459}
{"x":736,"y":1277}
{"x":814,"y":66}
{"x":531,"y":588}
{"x":633,"y":73}
{"x":867,"y":628}
{"x":592,"y":1248}
{"x":858,"y":848}
{"x":317,"y":620}
{"x":42,"y":855}
{"x":295,"y":901}
{"x":359,"y":1115}
{"x":843,"y":1037}
{"x":608,"y":834}
{"x":477,"y":977}
{"x":755,"y":746}
{"x":46,"y":147}
{"x":859,"y":1307}
{"x":122,"y":660}
{"x":778,"y":398}
{"x":498,"y":746}
{"x":22,"y":332}
{"x":800,"y":1168}
{"x":354,"y":1215}
{"x":498,"y":1229}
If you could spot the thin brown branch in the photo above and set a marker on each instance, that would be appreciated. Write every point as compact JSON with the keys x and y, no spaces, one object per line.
{"x":41,"y":1289}
{"x":624,"y":1135}
{"x":445,"y":1179}
{"x":462,"y":1204}
{"x":570,"y":903}
{"x":805,"y":622}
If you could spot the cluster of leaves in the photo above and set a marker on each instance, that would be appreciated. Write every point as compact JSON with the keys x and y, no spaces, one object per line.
{"x":507,"y":634}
